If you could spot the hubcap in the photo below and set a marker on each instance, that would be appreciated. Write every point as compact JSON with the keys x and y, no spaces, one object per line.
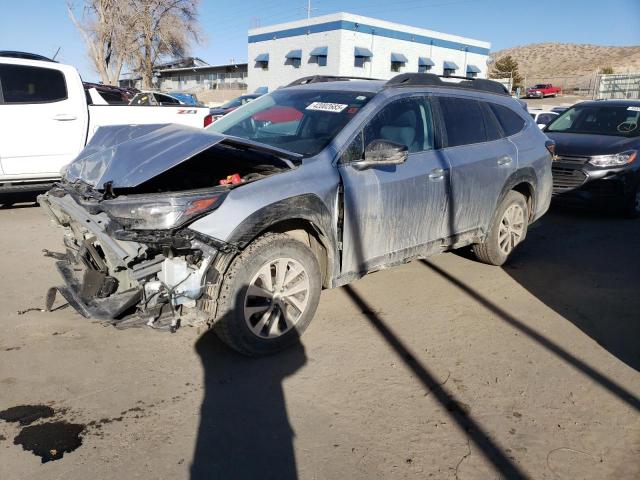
{"x":511,"y":228}
{"x":276,"y":298}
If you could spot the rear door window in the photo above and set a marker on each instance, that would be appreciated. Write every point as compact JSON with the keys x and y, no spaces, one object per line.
{"x":463,"y":120}
{"x":26,"y":84}
{"x":510,"y":121}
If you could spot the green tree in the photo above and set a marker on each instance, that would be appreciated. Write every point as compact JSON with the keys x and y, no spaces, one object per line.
{"x":606,"y":70}
{"x":505,"y":67}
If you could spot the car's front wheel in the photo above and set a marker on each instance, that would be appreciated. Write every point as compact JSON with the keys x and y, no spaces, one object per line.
{"x":508,"y":229}
{"x":269,"y":295}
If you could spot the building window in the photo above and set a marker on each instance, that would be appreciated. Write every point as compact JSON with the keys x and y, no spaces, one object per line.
{"x":398,"y":60}
{"x":361,"y":56}
{"x":472,"y":71}
{"x":424,"y":68}
{"x":449,"y":68}
{"x":360,"y":61}
{"x":319,"y":55}
{"x":294,"y":58}
{"x":262,"y":61}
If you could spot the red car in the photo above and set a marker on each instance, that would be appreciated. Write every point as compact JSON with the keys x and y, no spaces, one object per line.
{"x":542,"y":90}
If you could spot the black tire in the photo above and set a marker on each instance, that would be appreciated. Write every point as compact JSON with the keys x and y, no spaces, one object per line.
{"x":631,"y":208}
{"x":490,"y":250}
{"x":230,"y":324}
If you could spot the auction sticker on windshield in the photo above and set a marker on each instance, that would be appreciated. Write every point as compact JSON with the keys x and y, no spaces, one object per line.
{"x":327,"y":107}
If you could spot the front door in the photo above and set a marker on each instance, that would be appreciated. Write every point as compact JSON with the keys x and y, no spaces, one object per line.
{"x":391,"y":211}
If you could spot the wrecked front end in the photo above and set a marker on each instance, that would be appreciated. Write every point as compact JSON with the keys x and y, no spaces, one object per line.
{"x":123,"y":276}
{"x":130,"y":257}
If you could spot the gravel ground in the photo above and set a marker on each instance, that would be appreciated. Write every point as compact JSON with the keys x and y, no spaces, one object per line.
{"x":444,"y":369}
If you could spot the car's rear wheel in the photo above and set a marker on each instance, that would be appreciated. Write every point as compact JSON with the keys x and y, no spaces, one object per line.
{"x":268,"y":296}
{"x":508,"y":229}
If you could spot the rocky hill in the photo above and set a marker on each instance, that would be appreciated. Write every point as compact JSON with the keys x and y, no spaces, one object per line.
{"x":565,"y":59}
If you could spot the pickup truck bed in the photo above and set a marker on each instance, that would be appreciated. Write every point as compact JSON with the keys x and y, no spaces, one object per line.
{"x":46,"y":119}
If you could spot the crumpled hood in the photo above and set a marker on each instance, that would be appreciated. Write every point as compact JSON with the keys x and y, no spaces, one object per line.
{"x":587,"y":145}
{"x":129,"y":155}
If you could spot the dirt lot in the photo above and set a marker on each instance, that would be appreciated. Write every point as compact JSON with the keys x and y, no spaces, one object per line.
{"x":439,"y":369}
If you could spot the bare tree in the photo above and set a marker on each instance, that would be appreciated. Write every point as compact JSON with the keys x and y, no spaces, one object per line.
{"x":161,"y":28}
{"x":105,"y":28}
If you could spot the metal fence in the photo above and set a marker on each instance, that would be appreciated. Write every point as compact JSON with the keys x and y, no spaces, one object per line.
{"x":624,"y":86}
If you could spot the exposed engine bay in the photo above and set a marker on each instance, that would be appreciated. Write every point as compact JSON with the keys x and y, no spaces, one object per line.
{"x":130,"y":257}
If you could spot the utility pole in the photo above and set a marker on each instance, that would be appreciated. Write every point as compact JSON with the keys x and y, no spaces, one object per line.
{"x":309,"y":9}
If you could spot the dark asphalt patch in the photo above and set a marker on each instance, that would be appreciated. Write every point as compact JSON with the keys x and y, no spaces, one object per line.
{"x":50,"y":441}
{"x":26,"y":414}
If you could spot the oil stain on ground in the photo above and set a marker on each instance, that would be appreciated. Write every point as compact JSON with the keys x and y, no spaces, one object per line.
{"x":50,"y":441}
{"x":26,"y":414}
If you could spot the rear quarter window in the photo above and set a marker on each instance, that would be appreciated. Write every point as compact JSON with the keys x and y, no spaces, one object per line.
{"x":510,"y":121}
{"x":26,"y":84}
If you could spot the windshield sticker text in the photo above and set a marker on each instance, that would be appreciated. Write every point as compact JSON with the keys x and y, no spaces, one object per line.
{"x":634,"y":109}
{"x":327,"y":107}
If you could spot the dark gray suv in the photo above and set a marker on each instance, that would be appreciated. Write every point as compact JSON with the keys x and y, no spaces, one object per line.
{"x":309,"y":187}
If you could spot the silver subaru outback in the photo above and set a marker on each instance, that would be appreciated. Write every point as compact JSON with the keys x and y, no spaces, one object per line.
{"x":241,"y":225}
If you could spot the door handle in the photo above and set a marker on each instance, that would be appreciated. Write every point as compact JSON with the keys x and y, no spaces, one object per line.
{"x":64,"y":117}
{"x":436,"y":174}
{"x":505,"y":160}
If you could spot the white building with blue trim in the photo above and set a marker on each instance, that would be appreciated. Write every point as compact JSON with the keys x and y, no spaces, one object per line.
{"x":351,"y":45}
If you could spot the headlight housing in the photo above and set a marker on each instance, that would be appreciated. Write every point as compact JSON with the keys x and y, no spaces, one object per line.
{"x":615,"y":160}
{"x":161,"y":212}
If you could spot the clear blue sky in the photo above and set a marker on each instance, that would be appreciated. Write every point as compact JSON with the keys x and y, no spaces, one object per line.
{"x":41,"y":26}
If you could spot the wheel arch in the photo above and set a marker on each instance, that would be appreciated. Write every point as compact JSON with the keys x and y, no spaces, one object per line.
{"x":304,"y":217}
{"x":523,"y":181}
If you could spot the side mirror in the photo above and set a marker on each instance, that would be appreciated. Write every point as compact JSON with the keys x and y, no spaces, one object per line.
{"x":382,"y":152}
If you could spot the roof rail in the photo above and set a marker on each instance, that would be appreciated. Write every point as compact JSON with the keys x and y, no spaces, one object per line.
{"x":24,"y":55}
{"x":433,"y":80}
{"x":325,"y":78}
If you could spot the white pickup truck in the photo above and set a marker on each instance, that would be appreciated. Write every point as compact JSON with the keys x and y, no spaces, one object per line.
{"x":46,"y":118}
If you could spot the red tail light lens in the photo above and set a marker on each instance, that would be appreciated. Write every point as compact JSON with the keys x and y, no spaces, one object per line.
{"x":208,"y":120}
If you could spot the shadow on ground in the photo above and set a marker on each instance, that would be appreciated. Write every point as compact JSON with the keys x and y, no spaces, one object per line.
{"x":19,"y":200}
{"x":586,"y":267}
{"x":244,"y":430}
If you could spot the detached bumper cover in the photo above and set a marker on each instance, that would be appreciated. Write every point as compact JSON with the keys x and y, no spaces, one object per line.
{"x":99,"y":308}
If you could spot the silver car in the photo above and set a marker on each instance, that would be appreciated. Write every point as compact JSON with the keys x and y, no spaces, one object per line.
{"x":241,"y":225}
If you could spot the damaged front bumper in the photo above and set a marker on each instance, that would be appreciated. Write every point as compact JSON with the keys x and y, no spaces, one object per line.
{"x":127,"y":281}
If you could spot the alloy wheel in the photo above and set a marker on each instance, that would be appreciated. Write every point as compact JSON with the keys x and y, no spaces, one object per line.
{"x":511,"y":228}
{"x":276,"y":298}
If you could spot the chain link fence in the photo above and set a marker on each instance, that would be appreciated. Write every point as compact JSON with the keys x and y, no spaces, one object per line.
{"x":623,"y":86}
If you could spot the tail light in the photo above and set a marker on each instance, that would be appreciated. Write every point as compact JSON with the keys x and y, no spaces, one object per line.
{"x":208,"y":120}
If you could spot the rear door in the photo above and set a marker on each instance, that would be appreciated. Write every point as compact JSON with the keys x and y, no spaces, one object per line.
{"x":42,"y":118}
{"x":481,"y":160}
{"x":390,"y":209}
